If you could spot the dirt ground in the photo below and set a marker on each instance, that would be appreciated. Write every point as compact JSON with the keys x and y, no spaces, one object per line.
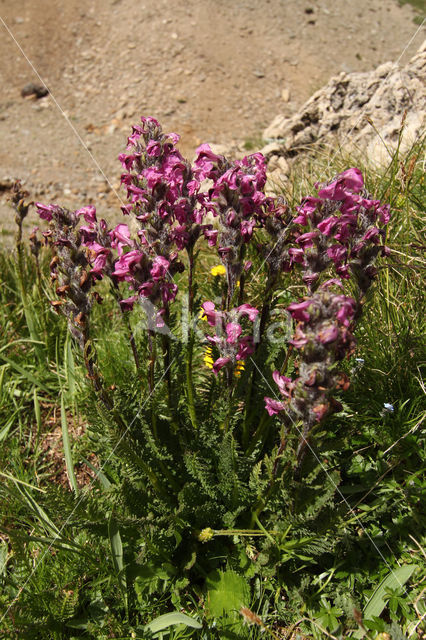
{"x":212,"y":70}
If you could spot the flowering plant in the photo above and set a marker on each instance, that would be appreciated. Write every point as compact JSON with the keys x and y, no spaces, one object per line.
{"x":210,"y":431}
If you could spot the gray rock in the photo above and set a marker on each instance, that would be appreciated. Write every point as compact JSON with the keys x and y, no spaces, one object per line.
{"x":33,"y":89}
{"x":361,"y":109}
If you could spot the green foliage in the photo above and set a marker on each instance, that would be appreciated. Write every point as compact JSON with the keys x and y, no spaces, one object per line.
{"x":227,"y":592}
{"x":177,"y":524}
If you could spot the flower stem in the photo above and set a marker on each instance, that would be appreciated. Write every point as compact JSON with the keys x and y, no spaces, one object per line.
{"x":189,"y":380}
{"x":116,"y":294}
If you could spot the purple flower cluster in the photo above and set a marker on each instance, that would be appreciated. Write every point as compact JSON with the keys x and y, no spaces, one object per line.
{"x":69,"y":268}
{"x":237,"y":197}
{"x":161,"y":189}
{"x":343,"y":226}
{"x":278,"y":254}
{"x":323,"y":336}
{"x":229,"y":340}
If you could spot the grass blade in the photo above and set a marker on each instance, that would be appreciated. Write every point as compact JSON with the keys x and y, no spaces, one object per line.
{"x":67,"y":448}
{"x":25,"y":373}
{"x":117,"y":557}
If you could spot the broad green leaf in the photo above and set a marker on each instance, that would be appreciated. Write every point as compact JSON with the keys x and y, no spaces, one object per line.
{"x":394,"y":580}
{"x":169,"y":619}
{"x":227,"y":592}
{"x":117,"y":556}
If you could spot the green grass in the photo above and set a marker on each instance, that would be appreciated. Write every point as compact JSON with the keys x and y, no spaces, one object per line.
{"x":82,"y":564}
{"x":419,"y":6}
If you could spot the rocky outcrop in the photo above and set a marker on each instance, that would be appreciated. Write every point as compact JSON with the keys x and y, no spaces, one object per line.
{"x":361,"y":110}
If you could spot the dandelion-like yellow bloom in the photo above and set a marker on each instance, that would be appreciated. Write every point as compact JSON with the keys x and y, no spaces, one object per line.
{"x":206,"y":534}
{"x":218,"y":270}
{"x":208,"y":360}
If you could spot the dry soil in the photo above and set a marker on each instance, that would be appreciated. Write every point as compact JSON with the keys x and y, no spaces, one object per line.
{"x":212,"y":70}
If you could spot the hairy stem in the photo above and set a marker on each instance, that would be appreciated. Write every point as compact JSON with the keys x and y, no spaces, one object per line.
{"x":189,"y":380}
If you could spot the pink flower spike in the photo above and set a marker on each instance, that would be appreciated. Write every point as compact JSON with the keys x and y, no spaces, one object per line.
{"x":246,"y":348}
{"x":247,"y":310}
{"x":211,"y":236}
{"x":125,"y":264}
{"x":204,"y":162}
{"x":210,"y":313}
{"x":321,"y":411}
{"x":120,"y":236}
{"x":99,"y":264}
{"x":299,"y":341}
{"x":284,"y":384}
{"x":297,"y":255}
{"x":384,"y":213}
{"x":326,"y":226}
{"x":146,"y":289}
{"x":89,"y":213}
{"x":126,"y":209}
{"x":328,"y":334}
{"x":273,"y":407}
{"x":247,"y":265}
{"x":127,"y":304}
{"x":298,"y":310}
{"x":168,"y":292}
{"x":153,"y":148}
{"x":346,"y":311}
{"x":173,"y":137}
{"x":233,"y":331}
{"x":353,"y":179}
{"x":346,"y":184}
{"x":331,"y":282}
{"x":159,"y":268}
{"x":45,"y":211}
{"x":159,"y":320}
{"x":337,"y":253}
{"x":247,"y":227}
{"x":306,"y":239}
{"x":127,"y":160}
{"x":220,"y":362}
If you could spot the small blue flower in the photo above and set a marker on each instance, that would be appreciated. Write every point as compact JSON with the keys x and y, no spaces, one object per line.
{"x":389,"y":408}
{"x":360,"y":360}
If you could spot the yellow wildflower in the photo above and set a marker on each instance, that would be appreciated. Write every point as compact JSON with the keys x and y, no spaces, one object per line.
{"x":206,"y":534}
{"x":239,"y":368}
{"x":208,"y":360}
{"x":218,"y":270}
